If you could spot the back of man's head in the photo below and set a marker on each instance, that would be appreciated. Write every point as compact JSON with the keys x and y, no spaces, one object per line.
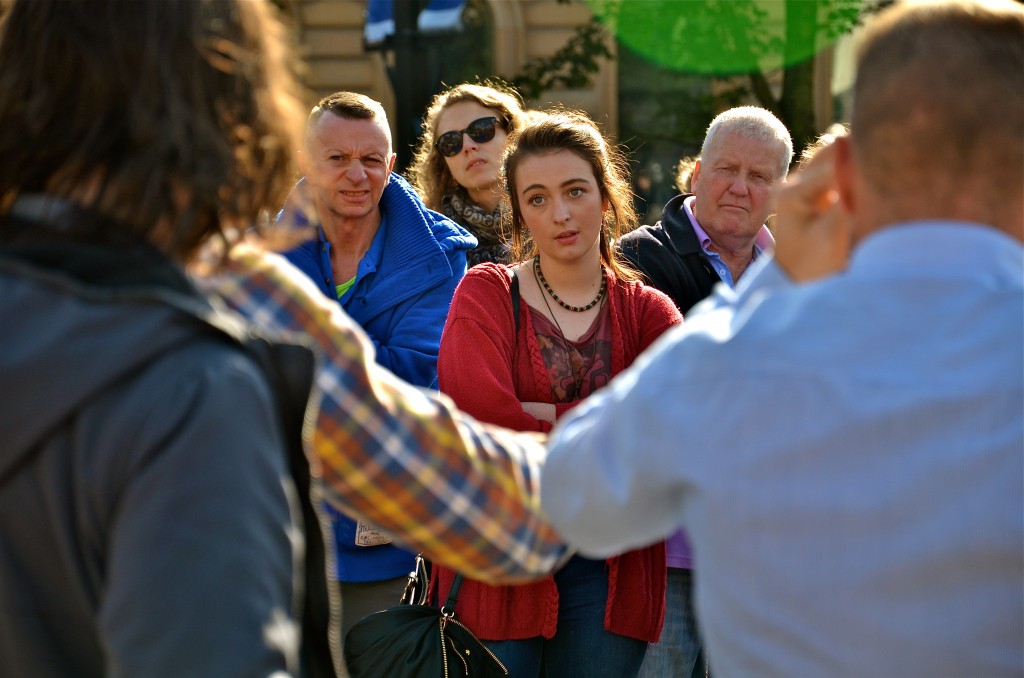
{"x":350,"y":106}
{"x":938,"y":117}
{"x":755,"y":123}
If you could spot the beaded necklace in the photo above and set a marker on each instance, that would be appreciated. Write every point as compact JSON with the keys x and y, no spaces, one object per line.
{"x":577,"y":377}
{"x":539,"y":275}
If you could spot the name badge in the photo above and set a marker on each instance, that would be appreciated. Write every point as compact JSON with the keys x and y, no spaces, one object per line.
{"x":368,"y":535}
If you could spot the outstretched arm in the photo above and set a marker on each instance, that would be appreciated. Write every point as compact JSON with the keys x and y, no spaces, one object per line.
{"x":465,"y":494}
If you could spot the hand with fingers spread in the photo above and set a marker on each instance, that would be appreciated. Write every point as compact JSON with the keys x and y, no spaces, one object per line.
{"x":813,"y":232}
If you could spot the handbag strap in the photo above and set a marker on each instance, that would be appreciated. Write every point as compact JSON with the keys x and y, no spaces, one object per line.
{"x":515,"y":301}
{"x":417,"y":584}
{"x":453,"y":594}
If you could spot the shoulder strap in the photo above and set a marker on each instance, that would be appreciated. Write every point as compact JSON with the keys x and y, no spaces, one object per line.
{"x":453,"y":593}
{"x":290,"y":371}
{"x":515,"y":301}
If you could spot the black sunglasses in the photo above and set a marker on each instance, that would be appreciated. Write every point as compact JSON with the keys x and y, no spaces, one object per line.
{"x":480,"y":130}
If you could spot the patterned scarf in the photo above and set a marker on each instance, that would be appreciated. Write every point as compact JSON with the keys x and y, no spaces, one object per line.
{"x":486,"y":226}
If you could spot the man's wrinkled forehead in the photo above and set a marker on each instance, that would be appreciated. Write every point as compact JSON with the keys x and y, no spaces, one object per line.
{"x":321,"y":130}
{"x":736,"y":145}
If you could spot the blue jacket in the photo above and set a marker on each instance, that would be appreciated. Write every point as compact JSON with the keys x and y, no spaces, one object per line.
{"x":401,"y":296}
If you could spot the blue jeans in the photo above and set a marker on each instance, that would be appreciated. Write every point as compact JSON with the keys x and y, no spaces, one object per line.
{"x":581,"y":645}
{"x":679,"y":653}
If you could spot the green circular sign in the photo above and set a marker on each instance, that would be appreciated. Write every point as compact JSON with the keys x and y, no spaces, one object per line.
{"x":723,"y":37}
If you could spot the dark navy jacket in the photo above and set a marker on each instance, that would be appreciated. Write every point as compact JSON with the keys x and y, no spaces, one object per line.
{"x":670,"y":257}
{"x":147,"y":502}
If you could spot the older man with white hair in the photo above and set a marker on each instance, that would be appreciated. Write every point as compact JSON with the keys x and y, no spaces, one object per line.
{"x":714,"y":234}
{"x":702,"y":239}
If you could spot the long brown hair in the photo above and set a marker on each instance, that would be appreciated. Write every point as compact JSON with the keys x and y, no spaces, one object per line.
{"x":429,"y":173}
{"x":574,"y":131}
{"x":177,"y":118}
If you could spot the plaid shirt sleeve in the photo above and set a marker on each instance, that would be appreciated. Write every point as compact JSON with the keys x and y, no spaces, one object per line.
{"x":463,"y":493}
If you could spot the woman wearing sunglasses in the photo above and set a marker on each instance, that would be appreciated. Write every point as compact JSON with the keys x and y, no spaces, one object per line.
{"x":456,"y":165}
{"x":582,"y":318}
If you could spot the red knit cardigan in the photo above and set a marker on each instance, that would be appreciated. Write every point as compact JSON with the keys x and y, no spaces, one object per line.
{"x":488,"y":373}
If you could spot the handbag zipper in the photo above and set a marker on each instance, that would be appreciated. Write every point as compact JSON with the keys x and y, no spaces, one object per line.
{"x":453,"y":620}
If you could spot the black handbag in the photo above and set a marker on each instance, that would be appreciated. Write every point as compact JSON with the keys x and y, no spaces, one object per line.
{"x":416,"y":640}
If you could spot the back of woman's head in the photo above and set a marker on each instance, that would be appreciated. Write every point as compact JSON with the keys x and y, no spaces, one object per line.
{"x":429,"y":173}
{"x":176,"y":118}
{"x":573,"y":131}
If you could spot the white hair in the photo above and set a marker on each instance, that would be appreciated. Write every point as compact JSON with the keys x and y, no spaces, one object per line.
{"x":755,"y":123}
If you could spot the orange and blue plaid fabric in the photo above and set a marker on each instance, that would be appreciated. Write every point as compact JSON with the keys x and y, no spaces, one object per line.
{"x":463,"y":493}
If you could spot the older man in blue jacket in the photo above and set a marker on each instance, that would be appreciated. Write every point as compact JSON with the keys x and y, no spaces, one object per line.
{"x":393,"y":265}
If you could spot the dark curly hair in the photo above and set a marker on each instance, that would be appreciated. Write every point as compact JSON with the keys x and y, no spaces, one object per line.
{"x":178,"y":119}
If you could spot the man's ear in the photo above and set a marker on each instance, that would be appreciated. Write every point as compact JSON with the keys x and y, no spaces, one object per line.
{"x":694,"y":176}
{"x":391,"y":168}
{"x":846,"y":174}
{"x":302,"y":162}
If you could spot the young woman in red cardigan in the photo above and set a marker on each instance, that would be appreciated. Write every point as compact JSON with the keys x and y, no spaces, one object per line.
{"x":582,"y":318}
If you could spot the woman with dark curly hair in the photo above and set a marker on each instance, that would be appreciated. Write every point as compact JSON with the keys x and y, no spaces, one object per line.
{"x":150,"y":523}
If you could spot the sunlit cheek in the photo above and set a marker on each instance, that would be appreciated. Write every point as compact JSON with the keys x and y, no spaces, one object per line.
{"x":721,"y":184}
{"x":532,"y":215}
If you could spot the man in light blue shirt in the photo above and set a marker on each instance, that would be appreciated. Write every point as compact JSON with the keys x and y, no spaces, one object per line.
{"x":842,"y":436}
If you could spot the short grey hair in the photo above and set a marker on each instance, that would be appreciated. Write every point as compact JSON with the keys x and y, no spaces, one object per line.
{"x":755,"y":123}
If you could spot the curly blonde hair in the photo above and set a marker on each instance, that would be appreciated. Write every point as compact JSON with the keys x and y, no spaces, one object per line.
{"x":429,"y":173}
